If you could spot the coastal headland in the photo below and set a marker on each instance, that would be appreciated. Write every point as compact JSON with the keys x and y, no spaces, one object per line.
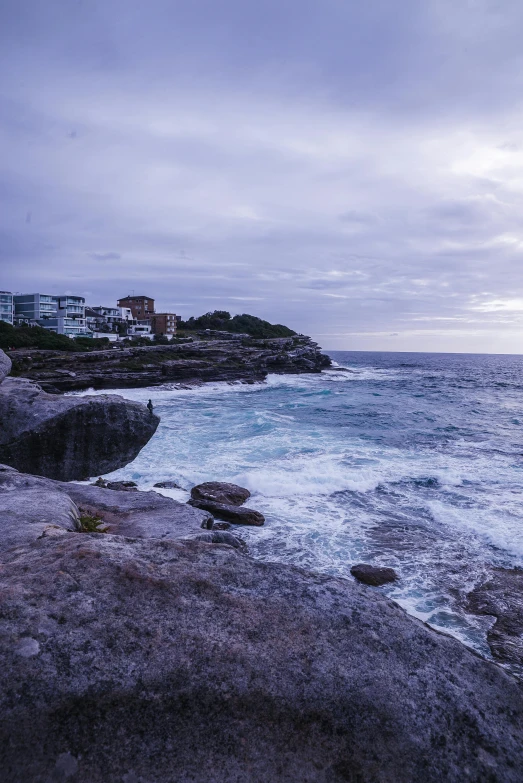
{"x":213,"y":357}
{"x":139,"y":643}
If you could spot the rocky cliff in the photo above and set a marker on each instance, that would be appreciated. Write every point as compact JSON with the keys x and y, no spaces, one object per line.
{"x":239,"y":358}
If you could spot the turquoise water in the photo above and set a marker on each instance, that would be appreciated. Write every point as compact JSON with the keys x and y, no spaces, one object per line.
{"x":409,"y":460}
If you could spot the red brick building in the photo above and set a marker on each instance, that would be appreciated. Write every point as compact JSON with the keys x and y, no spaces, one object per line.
{"x":163,"y":323}
{"x":142,"y":307}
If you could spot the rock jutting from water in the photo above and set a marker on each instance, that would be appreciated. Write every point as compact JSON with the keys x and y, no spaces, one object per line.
{"x":373,"y":575}
{"x":220,"y":492}
{"x":239,"y":515}
{"x":225,"y":501}
{"x":69,"y":438}
{"x":246,"y":360}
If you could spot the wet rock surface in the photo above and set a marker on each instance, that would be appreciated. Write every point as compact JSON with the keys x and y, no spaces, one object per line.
{"x":373,"y":575}
{"x":69,"y":438}
{"x":220,"y":492}
{"x":246,"y":360}
{"x":239,"y":515}
{"x":167,"y":485}
{"x":501,"y":597}
{"x":171,"y":661}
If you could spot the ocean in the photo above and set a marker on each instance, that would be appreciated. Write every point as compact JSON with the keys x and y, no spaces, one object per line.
{"x":408,"y":460}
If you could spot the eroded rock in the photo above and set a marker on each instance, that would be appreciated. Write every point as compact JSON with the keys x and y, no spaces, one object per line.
{"x":220,"y":492}
{"x":501,"y":596}
{"x":167,"y":485}
{"x":373,"y":575}
{"x":69,"y":438}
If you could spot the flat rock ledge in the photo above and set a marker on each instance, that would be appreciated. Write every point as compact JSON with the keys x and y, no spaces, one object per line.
{"x":69,"y":438}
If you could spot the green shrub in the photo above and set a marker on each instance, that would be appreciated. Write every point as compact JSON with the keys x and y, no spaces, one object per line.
{"x":90,"y":524}
{"x":12,"y":337}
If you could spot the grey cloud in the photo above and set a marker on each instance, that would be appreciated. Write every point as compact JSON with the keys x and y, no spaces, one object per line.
{"x":348,"y":168}
{"x":105,"y":256}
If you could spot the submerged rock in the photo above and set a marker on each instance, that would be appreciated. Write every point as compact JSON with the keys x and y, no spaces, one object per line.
{"x":220,"y":492}
{"x":68,"y":438}
{"x":160,"y":661}
{"x":167,"y":485}
{"x":501,"y":596}
{"x":240,"y":515}
{"x":373,"y":575}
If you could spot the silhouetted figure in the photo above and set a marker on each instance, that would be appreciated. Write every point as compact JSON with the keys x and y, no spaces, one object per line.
{"x":150,"y":406}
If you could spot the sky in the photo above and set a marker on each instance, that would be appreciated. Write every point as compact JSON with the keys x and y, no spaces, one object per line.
{"x":351,"y":169}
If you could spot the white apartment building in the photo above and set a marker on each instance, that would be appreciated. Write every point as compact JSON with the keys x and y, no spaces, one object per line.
{"x":6,"y":307}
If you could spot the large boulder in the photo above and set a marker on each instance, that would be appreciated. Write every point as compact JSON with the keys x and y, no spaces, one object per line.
{"x":220,"y":492}
{"x":5,"y":365}
{"x":160,"y":661}
{"x":69,"y":438}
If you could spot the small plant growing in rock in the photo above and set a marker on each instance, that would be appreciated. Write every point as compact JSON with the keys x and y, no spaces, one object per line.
{"x":89,"y":524}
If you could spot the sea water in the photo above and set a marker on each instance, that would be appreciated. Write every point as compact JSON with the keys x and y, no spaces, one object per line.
{"x":413,"y":461}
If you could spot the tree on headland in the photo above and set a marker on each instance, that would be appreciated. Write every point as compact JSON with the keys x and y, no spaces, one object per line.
{"x":221,"y":321}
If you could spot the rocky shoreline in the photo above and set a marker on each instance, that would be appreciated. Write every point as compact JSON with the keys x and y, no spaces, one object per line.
{"x":155,"y":650}
{"x":211,"y":359}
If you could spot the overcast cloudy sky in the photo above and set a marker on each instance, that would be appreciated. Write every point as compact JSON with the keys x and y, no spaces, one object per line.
{"x":352,"y":169}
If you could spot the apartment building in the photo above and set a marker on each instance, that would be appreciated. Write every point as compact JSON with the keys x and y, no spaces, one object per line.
{"x":142,"y":307}
{"x":163,"y":324}
{"x":35,"y":307}
{"x":6,"y":307}
{"x":142,"y":329}
{"x":110,"y":315}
